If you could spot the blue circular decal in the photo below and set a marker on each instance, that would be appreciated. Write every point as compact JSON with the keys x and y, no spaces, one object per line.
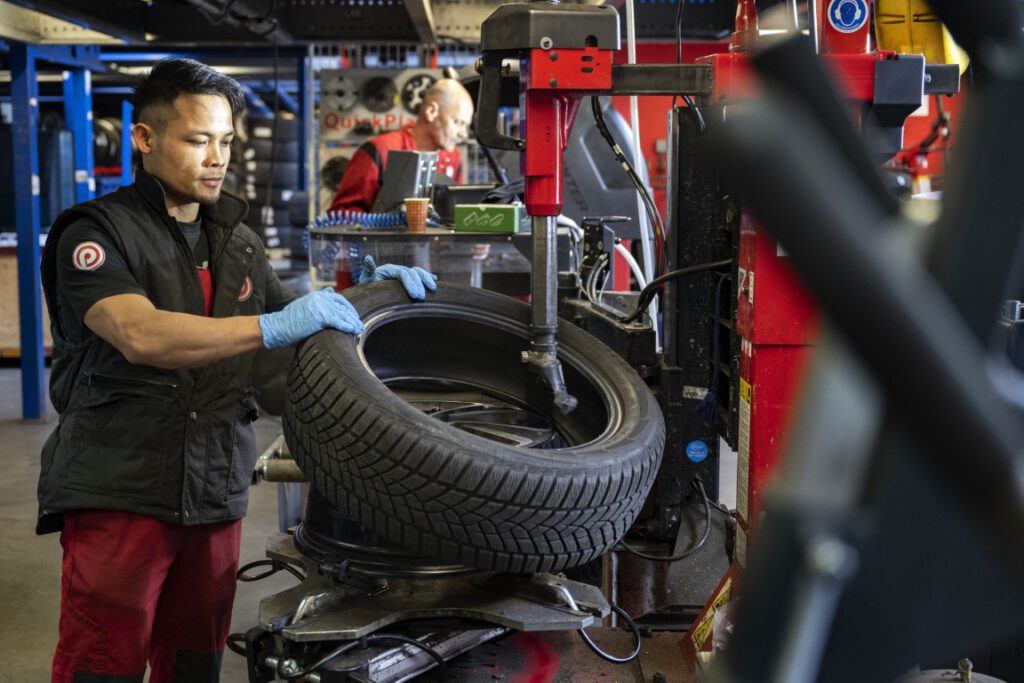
{"x":696,"y":451}
{"x":847,"y":16}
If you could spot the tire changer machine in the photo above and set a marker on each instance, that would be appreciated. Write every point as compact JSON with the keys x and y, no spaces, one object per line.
{"x":328,"y":627}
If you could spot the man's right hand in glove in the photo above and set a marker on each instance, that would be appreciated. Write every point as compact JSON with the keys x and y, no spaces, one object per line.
{"x":307,"y":316}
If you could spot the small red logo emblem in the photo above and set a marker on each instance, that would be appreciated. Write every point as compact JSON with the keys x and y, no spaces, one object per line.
{"x":88,"y":256}
{"x":246,"y":290}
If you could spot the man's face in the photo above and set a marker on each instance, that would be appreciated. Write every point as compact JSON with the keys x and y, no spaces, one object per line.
{"x":189,"y":151}
{"x":451,"y":126}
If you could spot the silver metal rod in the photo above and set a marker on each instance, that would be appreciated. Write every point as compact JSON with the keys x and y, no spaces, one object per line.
{"x":812,"y":9}
{"x":543,"y":352}
{"x":545,"y":281}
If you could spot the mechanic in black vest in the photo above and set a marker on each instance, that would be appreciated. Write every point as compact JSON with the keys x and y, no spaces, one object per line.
{"x":159,"y":298}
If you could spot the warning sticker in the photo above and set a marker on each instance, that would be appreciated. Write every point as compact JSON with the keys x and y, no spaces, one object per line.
{"x":703,"y":629}
{"x":743,"y":452}
{"x":847,"y":16}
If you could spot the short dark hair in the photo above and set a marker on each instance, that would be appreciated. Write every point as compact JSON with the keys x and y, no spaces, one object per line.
{"x":171,"y":78}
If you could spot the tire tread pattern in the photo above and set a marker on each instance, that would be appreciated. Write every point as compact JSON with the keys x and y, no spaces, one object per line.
{"x":420,"y":486}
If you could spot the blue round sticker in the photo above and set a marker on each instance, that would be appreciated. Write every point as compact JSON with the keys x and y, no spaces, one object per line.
{"x":847,"y":16}
{"x":696,"y":451}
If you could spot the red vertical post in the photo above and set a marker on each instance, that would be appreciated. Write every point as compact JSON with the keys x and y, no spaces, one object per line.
{"x":744,"y":37}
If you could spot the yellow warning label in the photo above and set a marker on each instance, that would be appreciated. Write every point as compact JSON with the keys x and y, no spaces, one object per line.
{"x":703,"y":630}
{"x":743,"y":452}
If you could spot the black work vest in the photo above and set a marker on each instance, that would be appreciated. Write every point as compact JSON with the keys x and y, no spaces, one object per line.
{"x":176,"y":445}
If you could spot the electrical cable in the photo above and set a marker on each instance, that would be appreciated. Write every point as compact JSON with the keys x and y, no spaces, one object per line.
{"x":274,"y":567}
{"x":651,"y":289}
{"x":701,"y":125}
{"x":699,"y":485}
{"x":631,"y":262}
{"x":442,"y":667}
{"x":336,"y":652}
{"x":652,"y":212}
{"x":612,"y":658}
{"x":607,"y":271}
{"x":589,"y":286}
{"x":647,"y":255}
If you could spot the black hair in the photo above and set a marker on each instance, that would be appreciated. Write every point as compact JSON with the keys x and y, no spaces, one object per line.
{"x":171,"y":78}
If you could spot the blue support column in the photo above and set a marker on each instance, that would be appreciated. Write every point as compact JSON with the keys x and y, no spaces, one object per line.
{"x":126,"y":143}
{"x":25,"y":106}
{"x":78,"y":114}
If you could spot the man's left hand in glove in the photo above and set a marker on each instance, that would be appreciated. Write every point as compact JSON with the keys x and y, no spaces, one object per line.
{"x":417,"y":282}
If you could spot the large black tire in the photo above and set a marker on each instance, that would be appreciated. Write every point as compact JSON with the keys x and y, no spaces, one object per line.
{"x":447,"y":493}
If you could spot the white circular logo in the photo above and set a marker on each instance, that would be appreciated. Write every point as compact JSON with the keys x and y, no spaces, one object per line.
{"x":847,"y":16}
{"x":246,"y":290}
{"x":88,"y":256}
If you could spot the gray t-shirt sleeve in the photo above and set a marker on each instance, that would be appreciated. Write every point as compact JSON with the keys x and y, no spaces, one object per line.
{"x":90,"y":268}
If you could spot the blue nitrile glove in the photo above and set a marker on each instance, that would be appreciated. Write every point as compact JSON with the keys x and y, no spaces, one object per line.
{"x":413,"y":279}
{"x":308,"y":315}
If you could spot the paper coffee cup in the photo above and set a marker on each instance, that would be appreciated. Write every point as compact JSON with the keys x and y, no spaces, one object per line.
{"x":416,"y":209}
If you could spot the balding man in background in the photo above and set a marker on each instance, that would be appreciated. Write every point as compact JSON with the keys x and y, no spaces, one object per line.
{"x":441,"y":124}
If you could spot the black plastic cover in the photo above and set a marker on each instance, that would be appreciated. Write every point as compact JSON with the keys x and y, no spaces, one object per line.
{"x":522,"y":26}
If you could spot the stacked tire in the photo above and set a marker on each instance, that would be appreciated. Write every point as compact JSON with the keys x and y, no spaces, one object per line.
{"x":266,"y":169}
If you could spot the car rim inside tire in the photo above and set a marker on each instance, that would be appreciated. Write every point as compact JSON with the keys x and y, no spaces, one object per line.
{"x":479,"y":412}
{"x":503,"y":400}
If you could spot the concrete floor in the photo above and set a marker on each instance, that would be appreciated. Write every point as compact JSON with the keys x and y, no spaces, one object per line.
{"x":30,"y":564}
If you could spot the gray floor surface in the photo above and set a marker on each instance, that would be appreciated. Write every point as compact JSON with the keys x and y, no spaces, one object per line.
{"x":30,"y":564}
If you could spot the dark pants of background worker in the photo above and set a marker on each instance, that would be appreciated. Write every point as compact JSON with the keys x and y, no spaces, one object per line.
{"x":137,"y":590}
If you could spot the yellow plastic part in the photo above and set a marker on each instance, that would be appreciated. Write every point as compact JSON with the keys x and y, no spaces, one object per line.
{"x":912,"y":27}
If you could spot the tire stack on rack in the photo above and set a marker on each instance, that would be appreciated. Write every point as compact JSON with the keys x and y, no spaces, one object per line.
{"x":269,"y":158}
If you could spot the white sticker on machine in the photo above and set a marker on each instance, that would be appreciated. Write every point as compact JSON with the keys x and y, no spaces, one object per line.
{"x":743,"y":453}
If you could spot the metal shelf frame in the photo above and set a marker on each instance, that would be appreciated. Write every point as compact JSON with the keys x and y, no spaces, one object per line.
{"x":77,"y":62}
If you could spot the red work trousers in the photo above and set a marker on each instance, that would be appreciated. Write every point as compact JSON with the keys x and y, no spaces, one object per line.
{"x":137,"y":590}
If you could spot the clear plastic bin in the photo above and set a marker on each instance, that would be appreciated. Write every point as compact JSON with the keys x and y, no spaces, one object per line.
{"x":485,"y":260}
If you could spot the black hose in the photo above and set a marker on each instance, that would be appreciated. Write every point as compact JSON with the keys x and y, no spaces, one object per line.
{"x":652,"y":210}
{"x":442,"y":667}
{"x":699,"y":485}
{"x":236,"y":643}
{"x":648,"y":292}
{"x":274,"y":567}
{"x":612,"y":658}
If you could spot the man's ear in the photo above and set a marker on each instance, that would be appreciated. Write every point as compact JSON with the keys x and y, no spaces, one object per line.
{"x":431,"y":110}
{"x":144,"y":137}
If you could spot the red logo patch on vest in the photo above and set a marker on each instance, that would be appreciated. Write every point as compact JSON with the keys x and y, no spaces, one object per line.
{"x":88,"y":256}
{"x":246,"y":290}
